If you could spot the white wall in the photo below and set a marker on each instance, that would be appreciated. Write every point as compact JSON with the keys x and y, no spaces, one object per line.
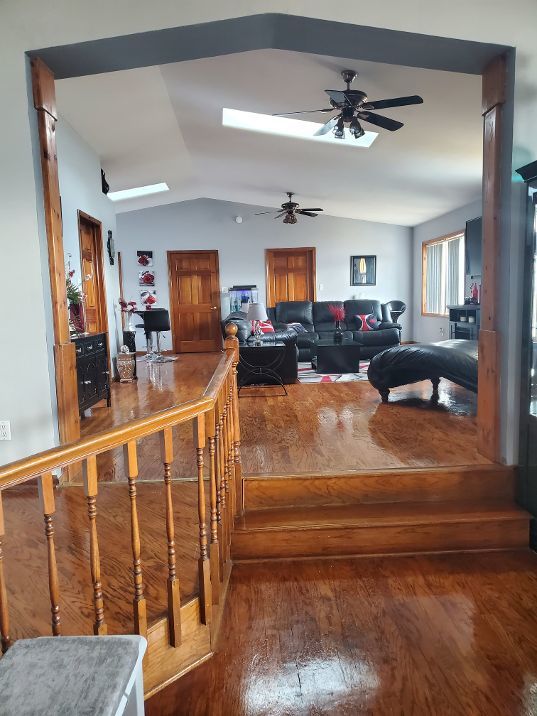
{"x":25,"y":395}
{"x":209,"y":224}
{"x":79,"y":172}
{"x":428,"y":329}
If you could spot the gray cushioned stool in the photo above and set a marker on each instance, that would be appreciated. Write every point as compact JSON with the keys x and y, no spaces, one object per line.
{"x":73,"y":675}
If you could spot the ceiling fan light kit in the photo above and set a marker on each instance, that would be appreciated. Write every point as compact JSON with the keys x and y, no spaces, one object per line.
{"x":353,"y":106}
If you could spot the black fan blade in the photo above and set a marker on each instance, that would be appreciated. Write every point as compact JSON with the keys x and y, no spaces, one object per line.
{"x":395,"y":102}
{"x":337,"y":96}
{"x":309,"y":209}
{"x":380,"y":121}
{"x":260,"y":213}
{"x":282,"y":213}
{"x":304,"y":111}
{"x":328,"y":126}
{"x":305,"y":213}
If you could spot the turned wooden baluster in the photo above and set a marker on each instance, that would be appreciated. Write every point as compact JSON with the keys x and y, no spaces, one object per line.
{"x":204,"y":564}
{"x":4,"y":613}
{"x":237,"y":439}
{"x":139,"y":604}
{"x":233,"y":484}
{"x":90,"y":489}
{"x":220,"y":500}
{"x":174,"y":595}
{"x":214,"y":551}
{"x":46,"y":497}
{"x":225,"y":488}
{"x":232,"y":348}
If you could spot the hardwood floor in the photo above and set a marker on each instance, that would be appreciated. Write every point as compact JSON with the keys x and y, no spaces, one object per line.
{"x":25,"y":555}
{"x":442,"y":636}
{"x":317,"y":428}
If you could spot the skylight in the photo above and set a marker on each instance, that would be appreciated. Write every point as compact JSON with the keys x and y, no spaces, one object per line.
{"x":287,"y":127}
{"x":137,"y":191}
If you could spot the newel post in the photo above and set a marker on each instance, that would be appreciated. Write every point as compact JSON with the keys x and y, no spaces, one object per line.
{"x":231,"y":345}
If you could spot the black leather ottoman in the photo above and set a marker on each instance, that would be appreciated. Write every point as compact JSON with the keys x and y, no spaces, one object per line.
{"x":332,"y":357}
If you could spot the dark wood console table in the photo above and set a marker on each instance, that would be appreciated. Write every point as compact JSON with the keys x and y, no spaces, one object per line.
{"x":93,"y":375}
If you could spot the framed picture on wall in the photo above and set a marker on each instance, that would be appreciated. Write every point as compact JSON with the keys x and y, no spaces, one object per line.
{"x":144,"y":258}
{"x":363,"y":270}
{"x":148,"y":298}
{"x":146,"y":278}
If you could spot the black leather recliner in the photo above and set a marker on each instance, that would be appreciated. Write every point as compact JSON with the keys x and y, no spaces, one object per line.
{"x":288,"y":370}
{"x":318,"y":322}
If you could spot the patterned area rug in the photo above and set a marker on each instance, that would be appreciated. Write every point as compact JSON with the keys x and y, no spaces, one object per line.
{"x":306,"y":374}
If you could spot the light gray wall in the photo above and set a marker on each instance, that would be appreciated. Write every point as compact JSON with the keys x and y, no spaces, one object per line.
{"x":209,"y":224}
{"x":79,"y":171}
{"x":428,"y":329}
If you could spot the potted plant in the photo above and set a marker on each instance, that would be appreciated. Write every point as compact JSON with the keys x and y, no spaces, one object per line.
{"x":75,"y":303}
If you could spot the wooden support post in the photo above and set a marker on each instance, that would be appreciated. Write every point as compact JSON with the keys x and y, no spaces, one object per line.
{"x":4,"y":612}
{"x":214,"y":551}
{"x":90,"y":489}
{"x":204,"y":564}
{"x":139,"y":604}
{"x":174,"y":595}
{"x":46,"y":496}
{"x":488,"y":397}
{"x":64,"y":350}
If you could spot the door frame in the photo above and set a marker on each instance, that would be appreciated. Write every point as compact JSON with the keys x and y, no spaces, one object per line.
{"x":170,"y":279}
{"x":312,"y":257}
{"x":497,"y":89}
{"x":99,"y":265}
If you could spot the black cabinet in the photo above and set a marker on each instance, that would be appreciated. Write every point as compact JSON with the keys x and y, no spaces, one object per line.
{"x":93,"y":376}
{"x":464,"y":321}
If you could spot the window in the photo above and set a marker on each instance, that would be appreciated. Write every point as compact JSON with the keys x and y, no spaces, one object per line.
{"x":443,"y":274}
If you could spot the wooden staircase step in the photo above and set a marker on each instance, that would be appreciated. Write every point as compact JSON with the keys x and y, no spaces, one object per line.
{"x":379,"y":529}
{"x":435,"y":484}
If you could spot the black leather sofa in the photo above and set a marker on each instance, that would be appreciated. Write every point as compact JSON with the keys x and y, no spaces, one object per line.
{"x":288,"y":369}
{"x":318,"y":322}
{"x":455,"y":360}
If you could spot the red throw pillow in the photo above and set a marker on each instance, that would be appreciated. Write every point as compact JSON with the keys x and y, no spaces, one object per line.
{"x":266,"y":327}
{"x":368,"y":321}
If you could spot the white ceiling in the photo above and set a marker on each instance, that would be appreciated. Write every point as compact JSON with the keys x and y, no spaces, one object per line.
{"x":165,"y":124}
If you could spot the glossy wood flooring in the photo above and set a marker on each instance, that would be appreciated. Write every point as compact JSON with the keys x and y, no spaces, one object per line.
{"x":25,"y":555}
{"x":400,"y":636}
{"x":317,"y":428}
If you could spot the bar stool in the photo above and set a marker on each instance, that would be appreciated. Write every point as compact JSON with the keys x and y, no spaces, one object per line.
{"x":156,"y":320}
{"x":396,"y":309}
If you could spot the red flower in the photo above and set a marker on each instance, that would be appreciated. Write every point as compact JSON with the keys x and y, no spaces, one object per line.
{"x":148,"y":278}
{"x":149,"y":300}
{"x":71,"y":273}
{"x":338,"y":312}
{"x":143,"y":260}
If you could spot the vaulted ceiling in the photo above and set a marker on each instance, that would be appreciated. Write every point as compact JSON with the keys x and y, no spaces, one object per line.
{"x":165,"y":124}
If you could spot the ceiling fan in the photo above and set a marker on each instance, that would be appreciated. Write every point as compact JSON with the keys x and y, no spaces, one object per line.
{"x":289,"y":211}
{"x":352,"y":107}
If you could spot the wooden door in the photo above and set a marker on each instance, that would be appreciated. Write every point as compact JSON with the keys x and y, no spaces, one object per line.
{"x":194,"y":301}
{"x":290,"y":275}
{"x":92,"y":273}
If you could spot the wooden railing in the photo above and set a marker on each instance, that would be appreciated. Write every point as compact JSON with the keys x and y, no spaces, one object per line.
{"x":215,"y":419}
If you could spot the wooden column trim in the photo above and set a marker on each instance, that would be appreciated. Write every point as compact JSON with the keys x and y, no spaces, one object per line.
{"x":44,"y":97}
{"x":488,"y":399}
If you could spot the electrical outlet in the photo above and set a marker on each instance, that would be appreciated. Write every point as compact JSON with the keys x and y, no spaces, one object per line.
{"x":5,"y":430}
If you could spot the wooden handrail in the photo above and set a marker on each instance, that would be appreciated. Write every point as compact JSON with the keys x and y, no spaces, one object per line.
{"x":30,"y":467}
{"x":216,"y":431}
